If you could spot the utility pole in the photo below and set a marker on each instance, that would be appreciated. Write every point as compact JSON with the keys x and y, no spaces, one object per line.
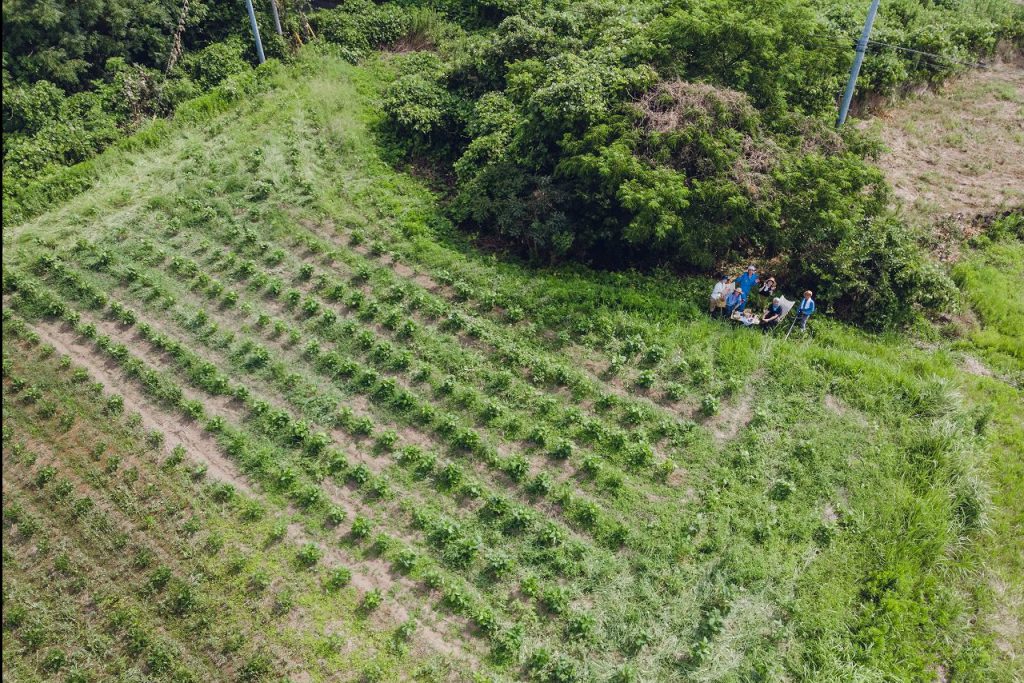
{"x":255,"y":31}
{"x":862,"y":46}
{"x":277,"y":17}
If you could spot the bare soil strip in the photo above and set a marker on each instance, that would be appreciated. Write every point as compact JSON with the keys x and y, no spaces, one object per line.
{"x":202,"y":448}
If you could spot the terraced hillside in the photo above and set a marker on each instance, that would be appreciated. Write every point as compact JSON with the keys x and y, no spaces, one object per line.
{"x":266,"y":417}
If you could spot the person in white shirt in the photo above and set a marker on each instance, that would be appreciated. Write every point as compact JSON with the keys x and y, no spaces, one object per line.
{"x":718,"y":294}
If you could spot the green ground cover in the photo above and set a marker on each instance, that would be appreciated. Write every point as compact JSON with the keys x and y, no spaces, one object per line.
{"x":553,"y":474}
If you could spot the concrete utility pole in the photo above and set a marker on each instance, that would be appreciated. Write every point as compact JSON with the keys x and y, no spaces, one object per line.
{"x":255,"y":31}
{"x":862,"y":46}
{"x":277,"y":17}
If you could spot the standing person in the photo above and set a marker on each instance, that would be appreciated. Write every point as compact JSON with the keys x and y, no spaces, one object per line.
{"x":734,"y":302}
{"x":718,"y":294}
{"x":805,"y":310}
{"x":764,"y":293}
{"x":746,"y":282}
{"x":772,"y":315}
{"x":730,"y":287}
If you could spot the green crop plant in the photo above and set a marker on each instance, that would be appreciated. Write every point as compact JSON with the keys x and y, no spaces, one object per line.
{"x":361,"y":527}
{"x":516,"y":467}
{"x":540,"y":485}
{"x":451,"y":476}
{"x":335,"y":515}
{"x":337,"y":578}
{"x":309,"y":555}
{"x":561,"y":450}
{"x":709,"y":405}
{"x":372,"y":600}
{"x":45,"y":475}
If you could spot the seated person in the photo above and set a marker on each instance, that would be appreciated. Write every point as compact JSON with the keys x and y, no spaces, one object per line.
{"x":734,"y":302}
{"x":749,"y":319}
{"x":773,"y":314}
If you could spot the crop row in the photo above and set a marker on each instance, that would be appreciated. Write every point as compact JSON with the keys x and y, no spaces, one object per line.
{"x":257,"y":460}
{"x":60,"y":514}
{"x":488,"y":412}
{"x":148,"y":495}
{"x":450,"y":477}
{"x":523,"y":314}
{"x":651,"y":546}
{"x":447,"y":317}
{"x":554,"y":603}
{"x":364,"y":380}
{"x":454,"y":595}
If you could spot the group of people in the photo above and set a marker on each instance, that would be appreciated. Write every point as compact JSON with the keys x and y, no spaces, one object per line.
{"x":731,"y":295}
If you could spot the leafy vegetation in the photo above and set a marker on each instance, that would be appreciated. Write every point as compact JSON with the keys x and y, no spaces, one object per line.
{"x":687,"y":134}
{"x":79,"y":78}
{"x":317,"y":413}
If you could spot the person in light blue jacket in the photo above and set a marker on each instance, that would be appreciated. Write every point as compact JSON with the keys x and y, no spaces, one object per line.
{"x":805,"y":310}
{"x":734,"y":302}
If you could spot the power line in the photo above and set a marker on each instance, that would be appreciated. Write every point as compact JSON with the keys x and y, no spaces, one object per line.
{"x":843,"y":46}
{"x":932,"y":55}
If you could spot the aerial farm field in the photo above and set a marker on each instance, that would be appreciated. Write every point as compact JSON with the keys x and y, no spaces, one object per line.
{"x":268,"y":416}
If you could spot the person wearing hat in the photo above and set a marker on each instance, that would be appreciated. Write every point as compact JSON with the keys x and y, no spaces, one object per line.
{"x":768,"y":288}
{"x":735,"y":302}
{"x":718,"y":294}
{"x":747,"y":281}
{"x":805,"y":310}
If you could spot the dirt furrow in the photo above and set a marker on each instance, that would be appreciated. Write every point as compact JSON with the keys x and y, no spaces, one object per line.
{"x":202,"y":448}
{"x":198,"y":443}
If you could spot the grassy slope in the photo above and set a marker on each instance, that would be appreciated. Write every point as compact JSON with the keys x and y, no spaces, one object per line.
{"x":990,"y":278}
{"x":840,"y":560}
{"x":953,"y":154}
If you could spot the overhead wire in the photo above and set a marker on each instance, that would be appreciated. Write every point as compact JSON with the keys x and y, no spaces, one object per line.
{"x":930,"y":55}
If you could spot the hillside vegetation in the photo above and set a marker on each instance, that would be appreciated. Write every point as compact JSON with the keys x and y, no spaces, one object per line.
{"x":686,"y":135}
{"x":268,"y":415}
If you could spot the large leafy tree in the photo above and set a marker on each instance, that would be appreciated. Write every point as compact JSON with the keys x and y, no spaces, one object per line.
{"x":69,"y":43}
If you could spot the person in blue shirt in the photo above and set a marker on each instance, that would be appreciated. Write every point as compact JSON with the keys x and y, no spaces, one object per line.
{"x":805,"y":310}
{"x":746,"y":282}
{"x":734,"y":302}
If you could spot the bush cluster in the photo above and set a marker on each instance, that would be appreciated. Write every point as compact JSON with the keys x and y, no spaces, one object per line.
{"x":687,"y":134}
{"x":79,"y":79}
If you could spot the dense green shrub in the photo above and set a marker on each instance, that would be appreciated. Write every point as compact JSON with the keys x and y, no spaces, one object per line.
{"x":689,"y":134}
{"x":216,"y":62}
{"x":78,"y":79}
